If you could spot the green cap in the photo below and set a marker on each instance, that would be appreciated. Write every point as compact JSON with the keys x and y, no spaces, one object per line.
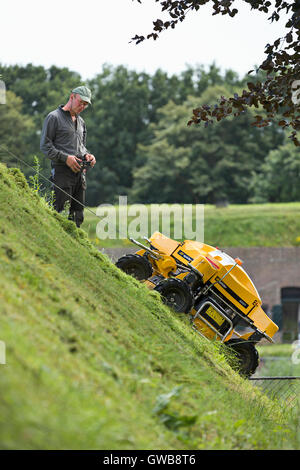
{"x":84,"y":92}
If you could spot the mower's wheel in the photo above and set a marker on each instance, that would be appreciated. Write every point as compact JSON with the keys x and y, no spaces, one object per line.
{"x":136,"y":266}
{"x":176,"y":294}
{"x":246,"y":355}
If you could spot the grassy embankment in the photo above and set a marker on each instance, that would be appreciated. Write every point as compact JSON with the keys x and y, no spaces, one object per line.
{"x":279,"y":360}
{"x":232,"y":226}
{"x":95,"y":361}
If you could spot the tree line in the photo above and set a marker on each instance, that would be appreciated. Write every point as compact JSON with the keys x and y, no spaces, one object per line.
{"x":137,"y":129}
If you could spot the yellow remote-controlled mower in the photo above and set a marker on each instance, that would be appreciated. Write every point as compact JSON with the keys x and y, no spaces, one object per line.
{"x":211,"y":287}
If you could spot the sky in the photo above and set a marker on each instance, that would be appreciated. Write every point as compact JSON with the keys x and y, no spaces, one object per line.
{"x":85,"y":35}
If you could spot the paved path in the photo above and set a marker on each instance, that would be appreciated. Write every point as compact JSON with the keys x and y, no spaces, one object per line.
{"x":115,"y":253}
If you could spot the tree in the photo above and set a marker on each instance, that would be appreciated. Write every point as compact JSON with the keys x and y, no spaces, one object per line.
{"x":41,"y":90}
{"x":117,"y":121}
{"x":276,"y":93}
{"x":14,"y":129}
{"x":278,"y":180}
{"x":189,"y":165}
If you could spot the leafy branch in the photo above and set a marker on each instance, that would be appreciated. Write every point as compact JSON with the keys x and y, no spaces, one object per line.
{"x":276,"y":94}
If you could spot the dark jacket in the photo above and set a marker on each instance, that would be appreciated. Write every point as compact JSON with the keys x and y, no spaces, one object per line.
{"x":61,"y":136}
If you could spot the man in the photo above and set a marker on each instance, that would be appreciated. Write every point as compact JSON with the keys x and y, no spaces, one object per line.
{"x":63,"y":140}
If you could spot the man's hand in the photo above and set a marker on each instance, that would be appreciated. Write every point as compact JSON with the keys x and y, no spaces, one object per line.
{"x":72,"y":162}
{"x":90,"y":158}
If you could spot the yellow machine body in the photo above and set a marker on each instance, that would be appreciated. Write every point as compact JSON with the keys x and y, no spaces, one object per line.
{"x":221,"y":276}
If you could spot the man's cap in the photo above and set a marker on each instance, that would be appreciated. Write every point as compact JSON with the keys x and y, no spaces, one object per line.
{"x":84,"y":92}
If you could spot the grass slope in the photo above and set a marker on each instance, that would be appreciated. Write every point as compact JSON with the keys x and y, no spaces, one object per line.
{"x":95,"y":361}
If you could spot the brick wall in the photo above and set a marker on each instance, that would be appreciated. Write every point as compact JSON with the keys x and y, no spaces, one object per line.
{"x":270,"y":269}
